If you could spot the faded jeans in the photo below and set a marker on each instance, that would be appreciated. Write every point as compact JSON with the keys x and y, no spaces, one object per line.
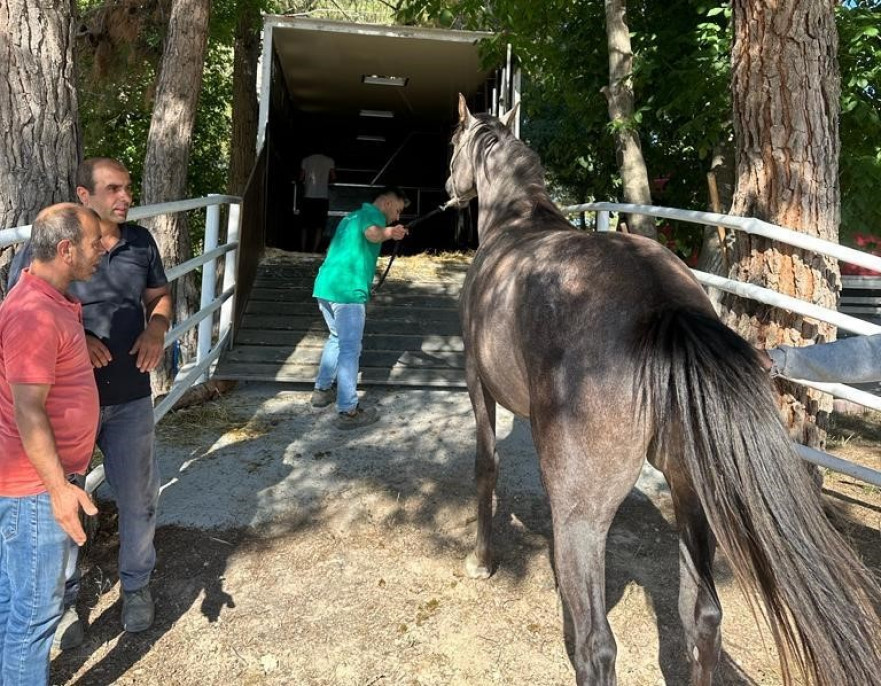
{"x":342,"y":351}
{"x":33,"y":555}
{"x":126,"y":434}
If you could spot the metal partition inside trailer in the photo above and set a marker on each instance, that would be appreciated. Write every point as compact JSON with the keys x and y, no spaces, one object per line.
{"x":382,"y":102}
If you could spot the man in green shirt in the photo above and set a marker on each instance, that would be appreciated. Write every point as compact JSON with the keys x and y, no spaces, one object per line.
{"x":342,"y":289}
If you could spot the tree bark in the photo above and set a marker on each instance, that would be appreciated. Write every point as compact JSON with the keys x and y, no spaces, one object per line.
{"x":619,"y":94}
{"x":40,"y":137}
{"x":786,"y":89}
{"x":168,"y":152}
{"x":244,"y":96}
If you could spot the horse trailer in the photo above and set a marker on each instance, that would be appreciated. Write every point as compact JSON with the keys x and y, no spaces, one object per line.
{"x":382,"y":102}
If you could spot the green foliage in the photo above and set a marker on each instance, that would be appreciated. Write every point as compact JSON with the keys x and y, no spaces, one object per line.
{"x":118,"y":67}
{"x":859,"y":57}
{"x":681,"y":81}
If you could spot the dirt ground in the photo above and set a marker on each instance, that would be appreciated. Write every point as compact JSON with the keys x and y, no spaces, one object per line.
{"x":290,"y":553}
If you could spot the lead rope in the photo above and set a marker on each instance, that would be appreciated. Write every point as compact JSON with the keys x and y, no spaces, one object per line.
{"x":410,"y":226}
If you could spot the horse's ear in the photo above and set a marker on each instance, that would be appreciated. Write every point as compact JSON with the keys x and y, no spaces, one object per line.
{"x":464,"y":113}
{"x":508,"y":117}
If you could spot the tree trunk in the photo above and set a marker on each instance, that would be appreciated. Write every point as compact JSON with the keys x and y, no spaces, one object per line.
{"x":244,"y":96}
{"x":786,"y":107}
{"x":168,"y":153}
{"x":619,"y":94}
{"x":40,"y":138}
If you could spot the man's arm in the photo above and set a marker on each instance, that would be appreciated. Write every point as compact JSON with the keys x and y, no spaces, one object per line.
{"x":150,"y":345}
{"x":376,"y":234}
{"x":38,"y":440}
{"x":851,"y":360}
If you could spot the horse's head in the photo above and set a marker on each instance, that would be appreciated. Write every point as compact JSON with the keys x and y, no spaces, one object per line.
{"x":461,"y":185}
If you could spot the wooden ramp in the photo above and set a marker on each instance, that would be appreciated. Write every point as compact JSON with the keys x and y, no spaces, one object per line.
{"x":412,"y":337}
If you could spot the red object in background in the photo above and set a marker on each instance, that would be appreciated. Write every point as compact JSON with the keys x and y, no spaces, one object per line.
{"x":666,"y":231}
{"x":869,"y":244}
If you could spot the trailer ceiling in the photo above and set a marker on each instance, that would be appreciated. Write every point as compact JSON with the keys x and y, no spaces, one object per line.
{"x":324,"y":64}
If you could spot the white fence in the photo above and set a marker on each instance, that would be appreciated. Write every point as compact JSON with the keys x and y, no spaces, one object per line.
{"x":770,"y":297}
{"x":209,"y":346}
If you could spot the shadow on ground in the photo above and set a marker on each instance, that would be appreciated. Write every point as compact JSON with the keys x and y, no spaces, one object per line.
{"x":261,"y":466}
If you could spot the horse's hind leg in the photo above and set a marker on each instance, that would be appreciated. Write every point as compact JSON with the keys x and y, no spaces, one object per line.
{"x":699,"y":607}
{"x":478,"y":564}
{"x":585,"y":485}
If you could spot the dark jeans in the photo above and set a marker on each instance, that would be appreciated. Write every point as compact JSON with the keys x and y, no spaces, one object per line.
{"x":126,"y":435}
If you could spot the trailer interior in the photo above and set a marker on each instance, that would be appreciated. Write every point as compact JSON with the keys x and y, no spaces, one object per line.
{"x":382,"y":102}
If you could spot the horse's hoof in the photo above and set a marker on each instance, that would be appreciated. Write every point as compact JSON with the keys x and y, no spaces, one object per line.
{"x":475,"y":570}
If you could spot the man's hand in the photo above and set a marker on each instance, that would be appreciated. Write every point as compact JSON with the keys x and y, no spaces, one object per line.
{"x":149,"y":346}
{"x":66,"y":501}
{"x":396,"y":232}
{"x":764,"y":359}
{"x":99,"y":354}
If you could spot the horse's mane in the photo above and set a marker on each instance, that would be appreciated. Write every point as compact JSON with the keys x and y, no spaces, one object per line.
{"x":524,"y":172}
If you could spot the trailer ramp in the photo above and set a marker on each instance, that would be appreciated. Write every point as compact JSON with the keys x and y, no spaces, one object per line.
{"x":412,"y":336}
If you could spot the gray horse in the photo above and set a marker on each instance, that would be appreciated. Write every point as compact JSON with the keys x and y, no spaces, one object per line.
{"x":609,"y":347}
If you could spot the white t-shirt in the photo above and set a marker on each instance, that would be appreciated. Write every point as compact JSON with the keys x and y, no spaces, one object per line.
{"x":317,"y":169}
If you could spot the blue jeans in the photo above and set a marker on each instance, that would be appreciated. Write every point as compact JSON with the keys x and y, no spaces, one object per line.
{"x":33,"y":555}
{"x":342,"y":351}
{"x":126,"y":435}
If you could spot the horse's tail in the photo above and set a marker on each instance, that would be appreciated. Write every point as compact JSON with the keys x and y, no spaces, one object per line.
{"x":712,"y":408}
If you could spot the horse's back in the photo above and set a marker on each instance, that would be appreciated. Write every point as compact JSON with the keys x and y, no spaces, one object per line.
{"x":558,"y":314}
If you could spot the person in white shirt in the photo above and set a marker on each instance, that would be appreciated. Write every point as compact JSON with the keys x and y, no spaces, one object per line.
{"x":316,"y":173}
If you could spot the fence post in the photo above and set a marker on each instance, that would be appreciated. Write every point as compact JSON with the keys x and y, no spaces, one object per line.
{"x":229,"y":271}
{"x":209,"y":277}
{"x":603,"y":220}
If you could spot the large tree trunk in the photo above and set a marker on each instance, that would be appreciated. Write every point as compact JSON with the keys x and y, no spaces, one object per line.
{"x":39,"y":138}
{"x":244,"y":96}
{"x":619,"y":94}
{"x":168,"y":152}
{"x":786,"y":109}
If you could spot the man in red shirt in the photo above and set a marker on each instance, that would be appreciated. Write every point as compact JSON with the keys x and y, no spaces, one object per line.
{"x":48,"y":421}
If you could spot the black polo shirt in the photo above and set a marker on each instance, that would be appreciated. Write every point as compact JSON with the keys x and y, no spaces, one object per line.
{"x":113,"y":309}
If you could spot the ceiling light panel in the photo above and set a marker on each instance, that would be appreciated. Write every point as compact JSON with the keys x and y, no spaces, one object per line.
{"x":377,"y":80}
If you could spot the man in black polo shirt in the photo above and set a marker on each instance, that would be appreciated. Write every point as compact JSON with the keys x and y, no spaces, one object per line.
{"x":126,"y":313}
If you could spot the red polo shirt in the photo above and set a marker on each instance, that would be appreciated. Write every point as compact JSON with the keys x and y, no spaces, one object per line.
{"x":42,"y":341}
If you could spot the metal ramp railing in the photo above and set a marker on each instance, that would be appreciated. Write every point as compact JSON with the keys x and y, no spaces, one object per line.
{"x":212,"y":340}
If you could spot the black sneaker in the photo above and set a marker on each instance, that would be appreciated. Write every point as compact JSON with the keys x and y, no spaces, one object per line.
{"x":137,"y":610}
{"x":355,"y":419}
{"x":322,"y":398}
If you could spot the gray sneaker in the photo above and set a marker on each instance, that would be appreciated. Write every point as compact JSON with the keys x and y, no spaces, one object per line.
{"x":70,"y":633}
{"x":323,"y":398}
{"x":137,"y":610}
{"x":356,"y":418}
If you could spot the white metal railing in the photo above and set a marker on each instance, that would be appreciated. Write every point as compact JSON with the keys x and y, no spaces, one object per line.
{"x":773,"y":298}
{"x":208,"y":348}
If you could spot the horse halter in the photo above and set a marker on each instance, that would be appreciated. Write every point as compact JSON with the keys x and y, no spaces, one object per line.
{"x":455,"y":198}
{"x":437,"y":210}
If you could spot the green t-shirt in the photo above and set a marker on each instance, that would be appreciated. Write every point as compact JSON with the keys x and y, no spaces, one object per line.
{"x":347,"y":272}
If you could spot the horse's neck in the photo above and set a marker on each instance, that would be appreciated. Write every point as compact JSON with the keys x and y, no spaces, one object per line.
{"x":509,"y":186}
{"x":503,"y":202}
